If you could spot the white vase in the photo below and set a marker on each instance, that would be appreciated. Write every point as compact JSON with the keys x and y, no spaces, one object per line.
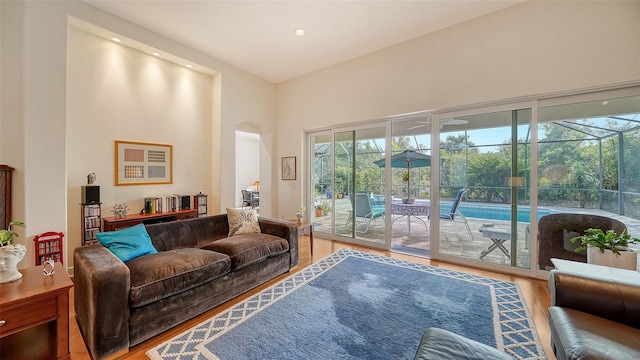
{"x":627,"y":259}
{"x":10,"y":256}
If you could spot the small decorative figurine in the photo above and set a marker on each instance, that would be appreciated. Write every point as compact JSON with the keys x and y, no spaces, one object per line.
{"x":120,"y":210}
{"x":48,"y":268}
{"x":300,"y":215}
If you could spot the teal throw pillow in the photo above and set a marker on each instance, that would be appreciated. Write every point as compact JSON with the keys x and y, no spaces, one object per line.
{"x":128,"y":244}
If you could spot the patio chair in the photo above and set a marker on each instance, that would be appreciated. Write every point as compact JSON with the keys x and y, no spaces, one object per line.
{"x":250,"y":199}
{"x":456,"y":212}
{"x":555,"y":232}
{"x":365,"y":213}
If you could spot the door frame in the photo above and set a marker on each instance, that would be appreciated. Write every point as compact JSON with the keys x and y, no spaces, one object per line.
{"x":435,"y":187}
{"x":309,"y":184}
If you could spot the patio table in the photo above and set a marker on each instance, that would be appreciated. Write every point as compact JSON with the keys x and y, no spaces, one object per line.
{"x":498,"y":238}
{"x":417,"y":209}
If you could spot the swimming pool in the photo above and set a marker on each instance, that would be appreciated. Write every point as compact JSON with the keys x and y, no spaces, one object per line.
{"x":494,"y":211}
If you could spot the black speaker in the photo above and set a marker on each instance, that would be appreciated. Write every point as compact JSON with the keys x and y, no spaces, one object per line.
{"x":185,"y":202}
{"x":91,"y":194}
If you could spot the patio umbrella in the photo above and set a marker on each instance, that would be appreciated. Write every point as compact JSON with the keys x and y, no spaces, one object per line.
{"x":407,"y":159}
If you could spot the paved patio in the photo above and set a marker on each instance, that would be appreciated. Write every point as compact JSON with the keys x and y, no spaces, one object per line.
{"x":454,"y":238}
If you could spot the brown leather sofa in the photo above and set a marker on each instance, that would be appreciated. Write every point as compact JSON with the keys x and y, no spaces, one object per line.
{"x":594,"y":316}
{"x":440,"y":344}
{"x":197,"y":267}
{"x":556,"y":230}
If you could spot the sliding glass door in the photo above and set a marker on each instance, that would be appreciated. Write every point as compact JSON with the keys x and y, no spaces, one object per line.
{"x":484,"y":178}
{"x":348,"y":198}
{"x":589,"y":169}
{"x":410,"y":185}
{"x":318,"y":202}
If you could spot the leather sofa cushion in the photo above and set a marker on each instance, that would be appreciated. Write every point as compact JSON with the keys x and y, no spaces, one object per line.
{"x":166,"y":273}
{"x":248,"y":249}
{"x":578,"y":335}
{"x":438,"y":344}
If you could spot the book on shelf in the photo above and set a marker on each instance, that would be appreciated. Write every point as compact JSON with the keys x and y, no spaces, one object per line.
{"x":165,"y":204}
{"x":91,"y":210}
{"x":91,"y":222}
{"x":48,"y":248}
{"x":43,"y":258}
{"x":200,"y":200}
{"x":90,"y":234}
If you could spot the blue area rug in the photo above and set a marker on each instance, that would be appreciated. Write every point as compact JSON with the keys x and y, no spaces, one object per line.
{"x":354,"y":305}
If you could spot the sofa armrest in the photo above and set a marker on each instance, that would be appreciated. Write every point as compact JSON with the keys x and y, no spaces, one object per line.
{"x":606,"y":298}
{"x":101,"y":300}
{"x":284,"y":229}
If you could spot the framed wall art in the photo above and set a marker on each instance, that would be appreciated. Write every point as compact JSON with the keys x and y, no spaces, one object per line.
{"x":289,"y":168}
{"x":139,"y":163}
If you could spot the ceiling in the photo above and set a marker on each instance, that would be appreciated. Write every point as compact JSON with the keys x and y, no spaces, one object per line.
{"x":257,"y":36}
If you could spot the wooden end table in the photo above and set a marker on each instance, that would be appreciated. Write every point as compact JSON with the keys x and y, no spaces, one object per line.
{"x":305,"y":228}
{"x":32,"y":306}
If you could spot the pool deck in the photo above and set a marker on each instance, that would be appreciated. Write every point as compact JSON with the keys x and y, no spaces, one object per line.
{"x":455,"y":240}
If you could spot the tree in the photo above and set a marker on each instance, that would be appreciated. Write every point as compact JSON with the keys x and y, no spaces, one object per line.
{"x":453,"y":171}
{"x":488,"y":174}
{"x":560,"y":153}
{"x":582,"y":179}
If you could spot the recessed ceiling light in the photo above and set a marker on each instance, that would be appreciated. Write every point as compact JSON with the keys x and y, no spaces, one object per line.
{"x":605,"y":102}
{"x":155,"y":54}
{"x":116,"y":39}
{"x":299,"y":32}
{"x":189,"y":66}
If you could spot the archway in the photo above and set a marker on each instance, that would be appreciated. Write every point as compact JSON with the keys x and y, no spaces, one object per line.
{"x":247,"y":166}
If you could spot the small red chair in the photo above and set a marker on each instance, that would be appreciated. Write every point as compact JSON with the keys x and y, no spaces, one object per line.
{"x":49,"y":246}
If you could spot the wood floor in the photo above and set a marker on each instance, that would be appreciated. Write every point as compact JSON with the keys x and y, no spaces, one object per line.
{"x":535,"y":292}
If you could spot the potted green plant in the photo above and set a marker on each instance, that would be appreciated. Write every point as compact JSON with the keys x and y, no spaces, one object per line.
{"x":339,"y":192}
{"x":608,"y":248}
{"x":326,"y":207}
{"x":10,"y":254}
{"x":6,"y":236}
{"x":318,"y":210}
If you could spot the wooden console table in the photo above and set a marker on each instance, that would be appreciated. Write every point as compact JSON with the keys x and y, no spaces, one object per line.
{"x":305,"y":228}
{"x":112,"y":223}
{"x":34,"y":315}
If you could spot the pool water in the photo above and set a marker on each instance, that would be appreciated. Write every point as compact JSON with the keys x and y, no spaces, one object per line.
{"x":494,"y":212}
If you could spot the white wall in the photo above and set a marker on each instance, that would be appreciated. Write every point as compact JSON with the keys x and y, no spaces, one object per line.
{"x":34,"y":111}
{"x":531,"y":48}
{"x":12,"y":105}
{"x":117,"y":93}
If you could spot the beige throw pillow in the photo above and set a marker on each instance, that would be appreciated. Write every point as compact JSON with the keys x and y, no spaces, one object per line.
{"x":242,"y":222}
